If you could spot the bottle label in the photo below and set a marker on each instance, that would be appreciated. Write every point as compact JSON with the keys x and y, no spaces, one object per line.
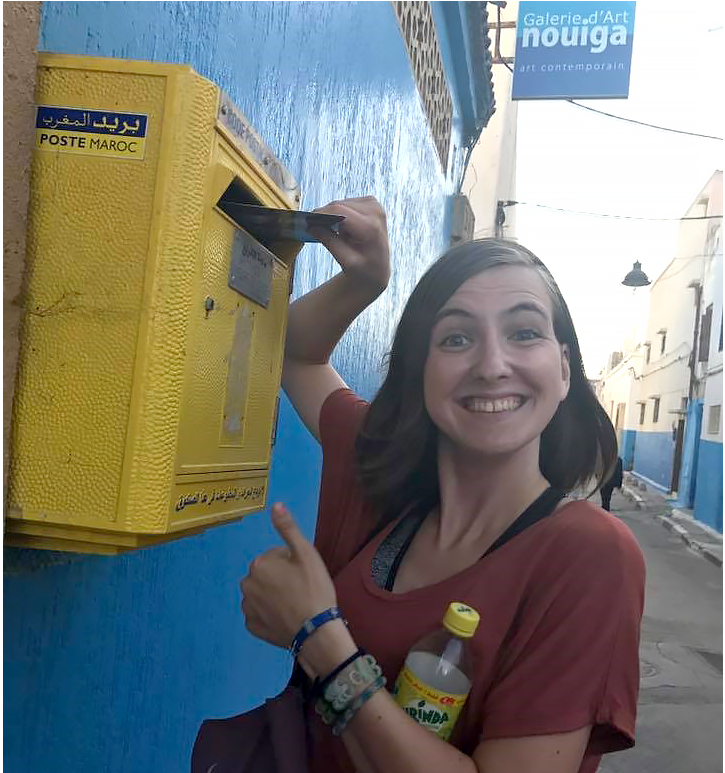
{"x":434,"y":709}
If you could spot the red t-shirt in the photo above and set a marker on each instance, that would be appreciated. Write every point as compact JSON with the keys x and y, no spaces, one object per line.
{"x":560,"y":605}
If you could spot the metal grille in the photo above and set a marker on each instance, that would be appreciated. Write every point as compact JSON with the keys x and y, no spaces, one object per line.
{"x":713,"y":420}
{"x":419,"y":34}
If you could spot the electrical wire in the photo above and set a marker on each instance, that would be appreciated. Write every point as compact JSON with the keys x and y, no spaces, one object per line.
{"x":615,"y":216}
{"x":631,"y":120}
{"x":665,"y":366}
{"x":610,"y":215}
{"x":663,"y":278}
{"x":642,"y":123}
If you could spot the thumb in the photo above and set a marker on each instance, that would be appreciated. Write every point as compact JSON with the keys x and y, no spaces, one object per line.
{"x":287,"y":528}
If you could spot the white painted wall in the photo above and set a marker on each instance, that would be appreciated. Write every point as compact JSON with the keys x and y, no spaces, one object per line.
{"x":712,"y":293}
{"x":672,"y":308}
{"x":491,"y":174}
{"x":621,"y":385}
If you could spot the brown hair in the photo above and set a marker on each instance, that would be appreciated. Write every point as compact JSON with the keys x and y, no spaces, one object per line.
{"x":396,"y":450}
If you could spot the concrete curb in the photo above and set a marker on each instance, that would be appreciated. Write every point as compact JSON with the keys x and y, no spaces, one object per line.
{"x":664,"y":518}
{"x":691,"y":542}
{"x":633,"y":496}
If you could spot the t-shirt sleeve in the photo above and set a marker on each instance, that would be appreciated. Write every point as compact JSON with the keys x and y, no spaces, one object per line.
{"x":572,"y":658}
{"x":340,"y":506}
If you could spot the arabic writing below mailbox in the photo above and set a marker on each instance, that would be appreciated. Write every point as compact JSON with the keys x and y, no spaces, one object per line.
{"x":233,"y":493}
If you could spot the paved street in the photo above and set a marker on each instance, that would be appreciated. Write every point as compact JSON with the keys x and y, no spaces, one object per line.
{"x":679,"y":728}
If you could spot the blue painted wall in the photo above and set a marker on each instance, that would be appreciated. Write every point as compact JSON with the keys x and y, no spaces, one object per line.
{"x":690,"y":454}
{"x":653,"y":457}
{"x":708,"y":495}
{"x":627,"y":443}
{"x":112,"y":663}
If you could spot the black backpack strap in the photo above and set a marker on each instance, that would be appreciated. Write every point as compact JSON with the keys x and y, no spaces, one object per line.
{"x":385,"y":567}
{"x":540,"y":508}
{"x":409,"y":525}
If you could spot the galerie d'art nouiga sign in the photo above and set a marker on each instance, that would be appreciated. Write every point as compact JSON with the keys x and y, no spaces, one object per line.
{"x":567,"y":50}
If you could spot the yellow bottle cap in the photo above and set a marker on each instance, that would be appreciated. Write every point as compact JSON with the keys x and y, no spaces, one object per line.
{"x":461,"y":620}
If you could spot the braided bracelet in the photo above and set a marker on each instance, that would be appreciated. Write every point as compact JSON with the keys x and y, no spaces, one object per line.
{"x":357,"y":704}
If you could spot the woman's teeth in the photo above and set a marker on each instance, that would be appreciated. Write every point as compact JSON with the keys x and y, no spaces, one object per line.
{"x":478,"y":405}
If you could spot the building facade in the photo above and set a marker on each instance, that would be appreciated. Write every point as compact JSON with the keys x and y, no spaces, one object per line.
{"x":708,"y":504}
{"x":664,"y":393}
{"x":615,"y":390}
{"x":491,"y":174}
{"x":111,"y":663}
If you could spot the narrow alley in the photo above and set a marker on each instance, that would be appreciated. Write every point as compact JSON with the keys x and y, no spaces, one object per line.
{"x":679,"y":724}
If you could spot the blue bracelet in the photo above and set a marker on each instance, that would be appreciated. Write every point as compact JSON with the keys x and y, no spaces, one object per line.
{"x":310,"y":626}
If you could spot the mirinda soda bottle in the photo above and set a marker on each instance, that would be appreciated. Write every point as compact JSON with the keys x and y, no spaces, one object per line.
{"x":435,"y":681}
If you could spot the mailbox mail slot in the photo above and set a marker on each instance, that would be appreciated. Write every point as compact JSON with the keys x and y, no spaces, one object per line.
{"x":151,"y":349}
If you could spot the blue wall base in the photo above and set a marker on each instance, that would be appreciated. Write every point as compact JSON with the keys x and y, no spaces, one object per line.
{"x":690,"y":449}
{"x":627,"y":444}
{"x":653,"y":458}
{"x":708,"y":494}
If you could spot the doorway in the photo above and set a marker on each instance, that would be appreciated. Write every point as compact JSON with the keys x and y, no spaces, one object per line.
{"x":677,"y":462}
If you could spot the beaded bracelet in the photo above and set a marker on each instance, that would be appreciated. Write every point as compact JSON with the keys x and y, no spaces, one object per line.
{"x":310,"y":626}
{"x":361,"y":673}
{"x":357,"y":704}
{"x":344,"y":686}
{"x":325,"y":711}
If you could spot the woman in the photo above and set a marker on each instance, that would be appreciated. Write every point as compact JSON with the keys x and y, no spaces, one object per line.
{"x":453,"y":482}
{"x":615,"y":480}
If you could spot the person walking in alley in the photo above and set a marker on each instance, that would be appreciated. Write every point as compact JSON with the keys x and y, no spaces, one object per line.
{"x":615,"y":480}
{"x":451,"y":485}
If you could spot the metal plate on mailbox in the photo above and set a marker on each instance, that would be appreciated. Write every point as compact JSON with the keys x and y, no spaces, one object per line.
{"x":236,"y":123}
{"x":250,"y":270}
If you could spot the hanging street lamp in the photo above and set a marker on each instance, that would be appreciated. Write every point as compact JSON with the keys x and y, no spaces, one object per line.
{"x":636,"y":277}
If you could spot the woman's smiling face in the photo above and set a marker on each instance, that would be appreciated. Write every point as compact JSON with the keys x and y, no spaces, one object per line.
{"x":495,"y":372}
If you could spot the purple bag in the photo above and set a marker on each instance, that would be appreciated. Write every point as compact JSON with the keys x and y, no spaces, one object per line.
{"x":271,"y":738}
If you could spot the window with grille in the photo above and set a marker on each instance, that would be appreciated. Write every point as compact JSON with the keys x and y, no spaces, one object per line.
{"x":419,"y":34}
{"x":713,"y":420}
{"x":656,"y":411}
{"x":663,"y":343}
{"x":619,"y":419}
{"x":705,"y":326}
{"x":642,"y":411}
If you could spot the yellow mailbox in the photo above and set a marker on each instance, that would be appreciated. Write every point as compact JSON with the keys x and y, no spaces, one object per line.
{"x":154,"y":324}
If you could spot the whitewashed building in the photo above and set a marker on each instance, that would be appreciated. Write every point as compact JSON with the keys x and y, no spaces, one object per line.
{"x":664,"y":392}
{"x":708,"y":504}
